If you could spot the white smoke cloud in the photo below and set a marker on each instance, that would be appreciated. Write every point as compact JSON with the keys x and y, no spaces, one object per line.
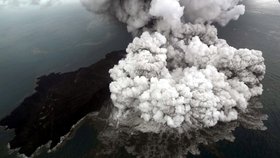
{"x":212,"y":84}
{"x":178,"y":73}
{"x":169,"y":10}
{"x":221,"y":11}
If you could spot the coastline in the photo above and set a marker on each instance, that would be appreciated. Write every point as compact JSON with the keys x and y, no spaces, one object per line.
{"x":60,"y":104}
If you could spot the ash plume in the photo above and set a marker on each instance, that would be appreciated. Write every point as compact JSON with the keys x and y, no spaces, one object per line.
{"x":177,"y":72}
{"x":161,"y":14}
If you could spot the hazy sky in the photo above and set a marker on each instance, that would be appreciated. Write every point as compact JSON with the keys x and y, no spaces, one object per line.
{"x":263,"y":6}
{"x":43,"y":3}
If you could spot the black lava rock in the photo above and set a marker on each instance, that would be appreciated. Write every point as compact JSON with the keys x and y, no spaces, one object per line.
{"x":59,"y":102}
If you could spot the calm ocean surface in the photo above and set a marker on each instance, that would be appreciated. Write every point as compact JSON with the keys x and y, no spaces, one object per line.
{"x":35,"y":41}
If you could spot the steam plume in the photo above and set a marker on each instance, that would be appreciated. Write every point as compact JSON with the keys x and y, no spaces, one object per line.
{"x":178,"y":73}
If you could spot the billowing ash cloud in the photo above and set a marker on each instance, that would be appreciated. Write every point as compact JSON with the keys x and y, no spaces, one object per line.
{"x":178,"y":73}
{"x":138,"y":14}
{"x":210,"y":83}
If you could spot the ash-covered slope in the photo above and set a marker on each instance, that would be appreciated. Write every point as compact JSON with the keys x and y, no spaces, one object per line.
{"x":59,"y":102}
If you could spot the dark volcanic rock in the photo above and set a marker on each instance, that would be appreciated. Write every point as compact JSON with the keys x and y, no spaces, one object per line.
{"x":59,"y":102}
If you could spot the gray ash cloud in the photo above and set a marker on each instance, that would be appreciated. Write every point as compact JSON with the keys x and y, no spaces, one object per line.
{"x":177,"y":72}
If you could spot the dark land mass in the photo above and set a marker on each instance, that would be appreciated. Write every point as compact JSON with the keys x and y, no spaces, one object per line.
{"x":59,"y":102}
